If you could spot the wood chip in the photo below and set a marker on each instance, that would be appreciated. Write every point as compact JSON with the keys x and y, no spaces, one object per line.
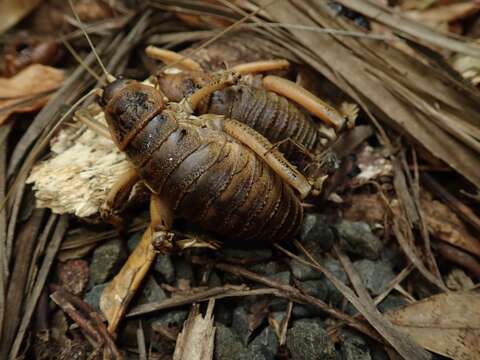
{"x":195,"y":342}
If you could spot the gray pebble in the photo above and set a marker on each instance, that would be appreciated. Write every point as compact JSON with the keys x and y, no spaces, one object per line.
{"x":375,"y":274}
{"x":308,"y":340}
{"x":354,"y":347}
{"x":357,"y":238}
{"x":164,"y":267}
{"x":228,"y":345}
{"x":265,"y":345}
{"x":316,"y":234}
{"x":107,"y":259}
{"x":93,"y":296}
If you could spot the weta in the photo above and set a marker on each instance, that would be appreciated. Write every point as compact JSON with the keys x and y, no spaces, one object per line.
{"x":213,"y":170}
{"x":210,"y":169}
{"x":271,"y":108}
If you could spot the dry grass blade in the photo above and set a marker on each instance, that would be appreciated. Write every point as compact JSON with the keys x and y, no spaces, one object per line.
{"x":47,"y":262}
{"x":411,"y":28}
{"x":17,"y":285}
{"x":4,"y":132}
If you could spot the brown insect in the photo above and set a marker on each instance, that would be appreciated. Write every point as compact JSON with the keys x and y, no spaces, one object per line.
{"x":270,"y":109}
{"x":212,"y":170}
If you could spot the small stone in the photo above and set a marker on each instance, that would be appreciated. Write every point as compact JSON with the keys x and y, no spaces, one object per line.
{"x":391,"y":302}
{"x":284,"y":277}
{"x":377,"y":352}
{"x":214,"y":280}
{"x":315,"y":288}
{"x":73,"y":275}
{"x":165,"y":268}
{"x":240,"y":324}
{"x":357,"y":238}
{"x":316,"y":234}
{"x":184,"y":272}
{"x":334,"y":297}
{"x":133,"y":240}
{"x":278,"y":304}
{"x":354,"y":347}
{"x":302,"y":271}
{"x":223,"y":312}
{"x":376,"y":275}
{"x":265,"y":268}
{"x":171,"y":320}
{"x":151,"y":292}
{"x":93,"y":296}
{"x":107,"y":259}
{"x":265,"y":345}
{"x":308,"y":340}
{"x":228,"y":345}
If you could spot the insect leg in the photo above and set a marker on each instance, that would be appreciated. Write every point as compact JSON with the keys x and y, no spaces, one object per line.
{"x":306,"y":99}
{"x":266,"y":151}
{"x":261,"y":66}
{"x":117,"y":197}
{"x":87,"y":119}
{"x":228,"y":78}
{"x":172,"y":58}
{"x":117,"y":295}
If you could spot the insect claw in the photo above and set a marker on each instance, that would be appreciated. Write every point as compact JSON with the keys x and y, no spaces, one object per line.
{"x":317,"y":185}
{"x":197,"y":243}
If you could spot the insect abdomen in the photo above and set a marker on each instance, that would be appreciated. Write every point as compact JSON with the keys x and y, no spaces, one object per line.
{"x":271,"y":115}
{"x":203,"y":174}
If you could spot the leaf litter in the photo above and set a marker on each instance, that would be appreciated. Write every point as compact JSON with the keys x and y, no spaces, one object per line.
{"x":430,"y":231}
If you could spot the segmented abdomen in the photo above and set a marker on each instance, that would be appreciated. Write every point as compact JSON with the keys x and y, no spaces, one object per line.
{"x":271,"y":115}
{"x":217,"y":183}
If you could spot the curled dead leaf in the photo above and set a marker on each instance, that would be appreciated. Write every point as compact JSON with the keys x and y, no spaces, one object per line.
{"x":447,"y":324}
{"x":28,"y":90}
{"x":445,"y":225}
{"x":12,"y":11}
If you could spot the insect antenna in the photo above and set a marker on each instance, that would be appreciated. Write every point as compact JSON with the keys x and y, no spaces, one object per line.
{"x":110,"y":77}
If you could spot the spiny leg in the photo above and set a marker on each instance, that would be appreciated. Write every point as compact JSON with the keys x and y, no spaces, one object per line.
{"x":118,"y":294}
{"x":261,"y":66}
{"x":264,"y":149}
{"x":117,"y":197}
{"x":306,"y":99}
{"x":227,"y":78}
{"x":86,"y":118}
{"x":172,"y":58}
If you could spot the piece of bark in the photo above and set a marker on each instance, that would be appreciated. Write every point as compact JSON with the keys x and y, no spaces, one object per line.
{"x":84,"y":165}
{"x":195,"y":342}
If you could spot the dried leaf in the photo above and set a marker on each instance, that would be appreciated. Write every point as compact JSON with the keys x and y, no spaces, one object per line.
{"x":12,"y":11}
{"x":445,"y":225}
{"x":373,"y":164}
{"x":195,"y":342}
{"x":28,"y":90}
{"x":73,"y":275}
{"x":439,"y":17}
{"x":447,"y":324}
{"x":370,"y":208}
{"x":468,"y":66}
